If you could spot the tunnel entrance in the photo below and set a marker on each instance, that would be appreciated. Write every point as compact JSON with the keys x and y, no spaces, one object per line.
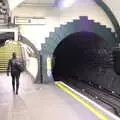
{"x":81,"y":50}
{"x":81,"y":56}
{"x":84,"y":61}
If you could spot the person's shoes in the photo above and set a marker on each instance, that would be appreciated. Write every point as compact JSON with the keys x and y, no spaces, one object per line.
{"x":16,"y":92}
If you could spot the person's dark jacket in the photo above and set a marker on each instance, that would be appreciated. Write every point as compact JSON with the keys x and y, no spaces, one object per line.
{"x":12,"y":66}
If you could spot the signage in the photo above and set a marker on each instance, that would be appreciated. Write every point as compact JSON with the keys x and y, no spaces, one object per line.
{"x":30,"y":20}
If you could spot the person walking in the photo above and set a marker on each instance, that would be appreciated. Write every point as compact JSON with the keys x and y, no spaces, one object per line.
{"x":15,"y":72}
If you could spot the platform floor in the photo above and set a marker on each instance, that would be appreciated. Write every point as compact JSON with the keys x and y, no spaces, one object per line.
{"x":39,"y":102}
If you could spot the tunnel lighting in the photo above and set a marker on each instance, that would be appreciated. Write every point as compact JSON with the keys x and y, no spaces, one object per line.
{"x":67,"y":3}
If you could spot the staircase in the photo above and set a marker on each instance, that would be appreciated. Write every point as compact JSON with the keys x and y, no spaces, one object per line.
{"x":6,"y":53}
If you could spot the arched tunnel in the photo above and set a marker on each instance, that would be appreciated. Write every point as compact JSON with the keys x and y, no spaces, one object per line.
{"x":86,"y":57}
{"x":82,"y":51}
{"x":81,"y":54}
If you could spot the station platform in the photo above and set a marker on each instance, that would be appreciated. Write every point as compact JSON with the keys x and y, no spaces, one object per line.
{"x":46,"y":102}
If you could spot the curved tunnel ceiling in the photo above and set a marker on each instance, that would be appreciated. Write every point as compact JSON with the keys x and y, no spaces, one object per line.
{"x":115,"y":7}
{"x":111,"y":15}
{"x":14,"y":3}
{"x":38,"y":3}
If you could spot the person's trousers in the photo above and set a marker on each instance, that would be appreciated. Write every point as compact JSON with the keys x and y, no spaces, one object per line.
{"x":15,"y":80}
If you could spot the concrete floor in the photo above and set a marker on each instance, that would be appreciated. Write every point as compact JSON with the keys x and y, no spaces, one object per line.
{"x":39,"y":102}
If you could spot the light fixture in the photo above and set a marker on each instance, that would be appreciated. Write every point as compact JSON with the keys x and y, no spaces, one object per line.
{"x":67,"y":3}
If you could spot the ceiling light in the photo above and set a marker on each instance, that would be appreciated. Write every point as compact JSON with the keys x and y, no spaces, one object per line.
{"x":67,"y":3}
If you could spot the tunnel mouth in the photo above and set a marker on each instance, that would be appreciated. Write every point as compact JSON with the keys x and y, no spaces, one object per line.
{"x":81,"y":56}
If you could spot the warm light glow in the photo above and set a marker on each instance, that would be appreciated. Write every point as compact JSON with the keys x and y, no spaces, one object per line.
{"x":68,"y":3}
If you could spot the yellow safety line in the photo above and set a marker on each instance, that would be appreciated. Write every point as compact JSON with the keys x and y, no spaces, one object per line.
{"x":98,"y":114}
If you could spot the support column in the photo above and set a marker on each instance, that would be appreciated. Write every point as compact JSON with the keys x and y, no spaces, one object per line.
{"x":16,"y":35}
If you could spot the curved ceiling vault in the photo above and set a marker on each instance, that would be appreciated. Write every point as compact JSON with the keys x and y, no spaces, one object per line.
{"x":111,"y":13}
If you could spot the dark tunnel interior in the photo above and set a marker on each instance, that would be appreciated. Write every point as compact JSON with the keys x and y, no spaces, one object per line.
{"x":87,"y":63}
{"x":81,"y":56}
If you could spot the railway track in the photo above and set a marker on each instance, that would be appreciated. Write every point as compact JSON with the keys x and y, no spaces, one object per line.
{"x":97,"y":93}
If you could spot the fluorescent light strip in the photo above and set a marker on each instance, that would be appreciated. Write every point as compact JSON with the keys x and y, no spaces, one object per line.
{"x":67,"y":3}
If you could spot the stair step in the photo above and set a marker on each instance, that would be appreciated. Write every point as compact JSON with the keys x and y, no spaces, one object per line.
{"x":5,"y":62}
{"x":3,"y":69}
{"x":6,"y":54}
{"x":3,"y":65}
